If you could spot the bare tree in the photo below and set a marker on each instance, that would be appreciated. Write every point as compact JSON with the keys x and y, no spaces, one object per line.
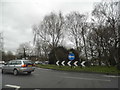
{"x":53,"y":24}
{"x":77,"y":26}
{"x":106,"y":30}
{"x":24,"y":50}
{"x":49,"y":32}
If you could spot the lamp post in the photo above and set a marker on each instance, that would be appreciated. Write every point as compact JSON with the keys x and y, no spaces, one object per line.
{"x":1,"y":46}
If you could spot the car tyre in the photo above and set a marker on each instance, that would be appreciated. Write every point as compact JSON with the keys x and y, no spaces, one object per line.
{"x":2,"y":71}
{"x":28,"y":72}
{"x":15,"y":72}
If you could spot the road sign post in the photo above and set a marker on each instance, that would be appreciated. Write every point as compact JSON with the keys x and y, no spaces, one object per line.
{"x":71,"y":57}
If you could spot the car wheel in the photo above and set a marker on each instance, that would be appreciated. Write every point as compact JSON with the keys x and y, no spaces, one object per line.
{"x":2,"y":71}
{"x":15,"y":72}
{"x":28,"y":72}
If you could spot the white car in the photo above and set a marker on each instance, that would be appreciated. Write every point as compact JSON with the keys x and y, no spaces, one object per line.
{"x":38,"y":62}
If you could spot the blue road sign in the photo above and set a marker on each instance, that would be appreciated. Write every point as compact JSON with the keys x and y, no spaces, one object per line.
{"x":71,"y":56}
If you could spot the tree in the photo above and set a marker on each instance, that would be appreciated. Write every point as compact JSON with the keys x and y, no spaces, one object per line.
{"x":76,"y":24}
{"x":49,"y":31}
{"x":105,"y":31}
{"x":7,"y":56}
{"x":24,"y":50}
{"x":61,"y":55}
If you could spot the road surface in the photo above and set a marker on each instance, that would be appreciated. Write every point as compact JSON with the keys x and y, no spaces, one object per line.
{"x":46,"y":78}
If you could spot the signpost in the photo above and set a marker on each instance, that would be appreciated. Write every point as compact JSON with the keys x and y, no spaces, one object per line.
{"x":57,"y":63}
{"x":69,"y":63}
{"x":71,"y":57}
{"x":63,"y":63}
{"x":75,"y":63}
{"x":83,"y":63}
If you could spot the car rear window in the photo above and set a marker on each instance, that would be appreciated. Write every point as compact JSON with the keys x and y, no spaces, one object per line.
{"x":27,"y":62}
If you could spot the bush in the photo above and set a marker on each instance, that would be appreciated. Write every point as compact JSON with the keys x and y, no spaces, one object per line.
{"x":118,"y":66}
{"x":99,"y":69}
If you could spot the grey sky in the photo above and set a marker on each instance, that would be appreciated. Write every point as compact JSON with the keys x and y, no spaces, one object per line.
{"x":18,"y":16}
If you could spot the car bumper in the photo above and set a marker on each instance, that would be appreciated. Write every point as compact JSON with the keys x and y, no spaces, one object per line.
{"x":26,"y":69}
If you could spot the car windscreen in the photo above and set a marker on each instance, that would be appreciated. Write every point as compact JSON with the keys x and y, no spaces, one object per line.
{"x":27,"y":62}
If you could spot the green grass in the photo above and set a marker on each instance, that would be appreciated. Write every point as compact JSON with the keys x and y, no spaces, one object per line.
{"x":98,"y":69}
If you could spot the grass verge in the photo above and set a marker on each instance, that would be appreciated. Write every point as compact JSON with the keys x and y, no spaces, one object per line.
{"x":97,"y":69}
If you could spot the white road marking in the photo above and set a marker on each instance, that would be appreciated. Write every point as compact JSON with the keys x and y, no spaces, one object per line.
{"x":39,"y":68}
{"x":13,"y":86}
{"x":111,"y":76}
{"x":43,"y":69}
{"x":36,"y":89}
{"x":88,"y":79}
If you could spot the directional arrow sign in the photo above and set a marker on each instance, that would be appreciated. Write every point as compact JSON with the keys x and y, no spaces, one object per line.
{"x":83,"y":62}
{"x":75,"y":63}
{"x":69,"y":63}
{"x":71,"y":56}
{"x":57,"y":63}
{"x":63,"y":63}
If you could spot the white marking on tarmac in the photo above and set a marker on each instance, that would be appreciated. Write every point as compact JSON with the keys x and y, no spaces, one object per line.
{"x":13,"y":86}
{"x":39,"y":68}
{"x":88,"y":79}
{"x":43,"y":69}
{"x":47,"y":69}
{"x":111,"y":76}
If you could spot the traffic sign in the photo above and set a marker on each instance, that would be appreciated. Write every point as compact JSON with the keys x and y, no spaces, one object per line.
{"x":57,"y":63}
{"x":71,"y":56}
{"x":83,"y":63}
{"x":63,"y":63}
{"x":75,"y":63}
{"x":69,"y":63}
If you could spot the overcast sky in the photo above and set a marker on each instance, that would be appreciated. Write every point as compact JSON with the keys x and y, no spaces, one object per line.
{"x":18,"y":16}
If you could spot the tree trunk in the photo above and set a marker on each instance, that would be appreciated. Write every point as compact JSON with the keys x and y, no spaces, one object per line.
{"x":84,"y":46}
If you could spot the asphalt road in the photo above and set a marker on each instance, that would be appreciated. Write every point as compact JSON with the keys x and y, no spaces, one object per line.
{"x":45,"y":78}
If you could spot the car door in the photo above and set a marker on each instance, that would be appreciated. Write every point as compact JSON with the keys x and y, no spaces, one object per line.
{"x":6,"y":67}
{"x":11,"y":66}
{"x":18,"y":64}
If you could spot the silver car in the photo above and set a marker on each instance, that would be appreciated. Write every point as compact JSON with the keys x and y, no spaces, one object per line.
{"x":1,"y":65}
{"x":18,"y":66}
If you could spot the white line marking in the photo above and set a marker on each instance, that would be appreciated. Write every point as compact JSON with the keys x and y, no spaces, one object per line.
{"x":13,"y":86}
{"x":111,"y":76}
{"x":43,"y":69}
{"x":39,"y":68}
{"x":88,"y":79}
{"x":47,"y":69}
